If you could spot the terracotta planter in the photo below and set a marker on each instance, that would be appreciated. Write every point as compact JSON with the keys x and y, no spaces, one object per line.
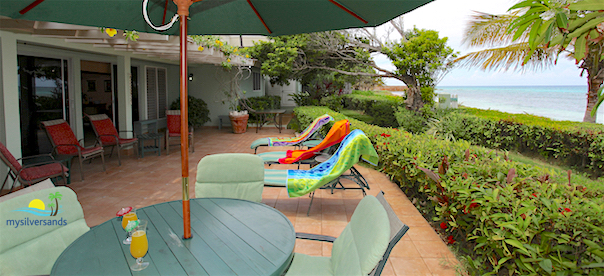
{"x":239,"y":123}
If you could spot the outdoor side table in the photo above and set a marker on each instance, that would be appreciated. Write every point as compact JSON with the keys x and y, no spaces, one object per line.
{"x":230,"y":237}
{"x":272,"y":116}
{"x":155,"y":147}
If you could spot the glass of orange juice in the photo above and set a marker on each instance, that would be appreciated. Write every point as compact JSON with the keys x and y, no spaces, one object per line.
{"x":127,"y":218}
{"x":139,"y":246}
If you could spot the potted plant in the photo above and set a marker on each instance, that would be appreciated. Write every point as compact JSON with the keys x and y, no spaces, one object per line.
{"x":239,"y":121}
{"x":198,"y":111}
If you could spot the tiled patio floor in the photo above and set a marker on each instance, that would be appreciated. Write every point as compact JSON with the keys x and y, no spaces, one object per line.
{"x":154,"y":179}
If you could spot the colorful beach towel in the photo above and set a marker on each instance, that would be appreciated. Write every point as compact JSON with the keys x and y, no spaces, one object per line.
{"x":336,"y":134}
{"x":354,"y":146}
{"x":290,"y":141}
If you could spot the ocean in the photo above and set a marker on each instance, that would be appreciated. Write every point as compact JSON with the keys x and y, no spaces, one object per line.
{"x":554,"y":102}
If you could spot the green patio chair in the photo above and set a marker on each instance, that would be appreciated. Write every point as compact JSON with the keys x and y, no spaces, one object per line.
{"x":230,"y":175}
{"x":363,"y":247}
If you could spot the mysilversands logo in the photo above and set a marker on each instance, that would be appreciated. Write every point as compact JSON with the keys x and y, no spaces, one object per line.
{"x":38,"y":208}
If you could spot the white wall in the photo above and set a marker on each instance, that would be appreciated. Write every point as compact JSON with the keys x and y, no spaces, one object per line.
{"x":210,"y":82}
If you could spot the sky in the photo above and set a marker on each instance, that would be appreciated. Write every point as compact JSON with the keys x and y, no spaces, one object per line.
{"x":449,"y":18}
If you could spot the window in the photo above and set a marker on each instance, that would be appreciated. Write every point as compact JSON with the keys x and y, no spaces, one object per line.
{"x":256,"y":78}
{"x":156,"y":92}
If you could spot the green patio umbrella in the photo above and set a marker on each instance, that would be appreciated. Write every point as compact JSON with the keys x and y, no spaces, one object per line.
{"x":217,"y":17}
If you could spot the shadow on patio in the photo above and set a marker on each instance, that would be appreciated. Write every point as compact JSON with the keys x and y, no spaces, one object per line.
{"x":154,"y":179}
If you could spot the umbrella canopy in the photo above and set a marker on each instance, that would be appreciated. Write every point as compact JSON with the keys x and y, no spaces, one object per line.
{"x":266,"y":17}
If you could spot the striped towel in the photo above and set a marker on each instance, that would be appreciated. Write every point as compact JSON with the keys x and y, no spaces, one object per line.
{"x":336,"y":134}
{"x":312,"y":128}
{"x":354,"y":146}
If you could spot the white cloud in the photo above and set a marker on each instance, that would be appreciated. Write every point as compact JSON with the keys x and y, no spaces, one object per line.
{"x":449,"y":18}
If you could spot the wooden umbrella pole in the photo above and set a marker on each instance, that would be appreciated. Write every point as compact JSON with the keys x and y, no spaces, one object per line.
{"x":183,"y":12}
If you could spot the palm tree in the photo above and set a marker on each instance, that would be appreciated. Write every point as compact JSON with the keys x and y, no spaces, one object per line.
{"x":56,"y":196}
{"x":524,"y":43}
{"x":51,"y":205}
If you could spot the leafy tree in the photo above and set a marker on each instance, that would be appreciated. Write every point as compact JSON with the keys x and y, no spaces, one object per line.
{"x":420,"y":57}
{"x":536,"y":32}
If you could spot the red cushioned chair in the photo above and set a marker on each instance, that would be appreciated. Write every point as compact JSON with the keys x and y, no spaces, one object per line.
{"x":106,"y":133}
{"x":64,"y":142}
{"x":31,"y":173}
{"x":173,"y":131}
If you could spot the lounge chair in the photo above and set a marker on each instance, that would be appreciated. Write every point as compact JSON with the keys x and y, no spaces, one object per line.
{"x":336,"y":134}
{"x":108,"y":135}
{"x":31,"y":173}
{"x":292,"y":141}
{"x":33,"y":249}
{"x":64,"y":142}
{"x":230,"y":175}
{"x":327,"y":174}
{"x":173,"y":130}
{"x":363,"y":247}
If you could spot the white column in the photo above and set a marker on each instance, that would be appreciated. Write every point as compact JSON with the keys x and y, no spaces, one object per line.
{"x":76,"y":120}
{"x":10,"y":126}
{"x":124,"y":93}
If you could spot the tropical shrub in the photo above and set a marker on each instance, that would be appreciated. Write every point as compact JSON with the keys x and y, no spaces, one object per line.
{"x":380,"y":107}
{"x":198,"y":110}
{"x":505,"y":218}
{"x":333,"y":102}
{"x":579,"y":145}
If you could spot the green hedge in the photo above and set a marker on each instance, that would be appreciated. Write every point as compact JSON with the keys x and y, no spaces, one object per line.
{"x":380,"y":107}
{"x":579,"y":145}
{"x":505,"y":218}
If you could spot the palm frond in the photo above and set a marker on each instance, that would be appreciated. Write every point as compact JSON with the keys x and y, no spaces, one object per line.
{"x":507,"y":57}
{"x":488,"y":30}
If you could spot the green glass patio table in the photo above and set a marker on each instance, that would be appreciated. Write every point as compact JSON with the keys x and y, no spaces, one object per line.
{"x":230,"y":237}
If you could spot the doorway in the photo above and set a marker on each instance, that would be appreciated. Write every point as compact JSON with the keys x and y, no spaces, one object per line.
{"x":43,"y":96}
{"x":97,"y":94}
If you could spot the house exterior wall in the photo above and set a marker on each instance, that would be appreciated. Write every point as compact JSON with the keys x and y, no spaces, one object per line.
{"x":210,"y":82}
{"x":207,"y":82}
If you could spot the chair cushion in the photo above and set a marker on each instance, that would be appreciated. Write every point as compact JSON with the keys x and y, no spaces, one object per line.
{"x":259,"y":142}
{"x":43,"y":171}
{"x":61,"y":134}
{"x":364,"y":240}
{"x":27,"y":249}
{"x":126,"y":141}
{"x":310,"y":265}
{"x":276,"y":178}
{"x":272,"y":156}
{"x":173,"y":122}
{"x":230,"y":175}
{"x":105,"y":127}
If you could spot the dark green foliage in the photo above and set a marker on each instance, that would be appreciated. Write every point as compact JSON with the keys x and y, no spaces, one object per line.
{"x":505,"y":218}
{"x":411,"y":121}
{"x":380,"y":107}
{"x":198,"y":111}
{"x":261,"y":103}
{"x":333,"y":102}
{"x":579,"y":145}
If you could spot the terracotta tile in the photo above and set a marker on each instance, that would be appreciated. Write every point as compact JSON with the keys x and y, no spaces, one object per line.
{"x":422,"y":234}
{"x":442,"y":266}
{"x":405,"y":249}
{"x":308,"y":247}
{"x":153,"y":179}
{"x":410,"y":266}
{"x":433,"y":249}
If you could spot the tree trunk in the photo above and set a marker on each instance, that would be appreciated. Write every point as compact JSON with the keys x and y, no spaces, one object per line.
{"x":56,"y":210}
{"x":414,"y":98}
{"x":594,"y":80}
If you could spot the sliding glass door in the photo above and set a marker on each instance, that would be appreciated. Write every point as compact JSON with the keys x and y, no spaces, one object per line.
{"x":42,"y":96}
